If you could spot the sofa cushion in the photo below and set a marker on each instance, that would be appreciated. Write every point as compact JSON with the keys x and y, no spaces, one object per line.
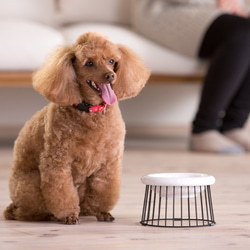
{"x":109,"y":11}
{"x":25,"y":45}
{"x":158,"y":58}
{"x":39,"y":11}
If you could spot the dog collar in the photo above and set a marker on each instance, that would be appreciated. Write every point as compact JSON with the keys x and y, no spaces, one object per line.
{"x":89,"y":108}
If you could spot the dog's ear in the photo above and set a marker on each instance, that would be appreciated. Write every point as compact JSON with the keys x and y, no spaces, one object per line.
{"x":56,"y":80}
{"x":131,"y":73}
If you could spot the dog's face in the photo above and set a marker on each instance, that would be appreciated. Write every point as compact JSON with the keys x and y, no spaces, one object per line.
{"x":96,"y":60}
{"x":93,"y":70}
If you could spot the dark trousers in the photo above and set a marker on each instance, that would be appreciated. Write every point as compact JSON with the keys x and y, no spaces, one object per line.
{"x":225,"y":97}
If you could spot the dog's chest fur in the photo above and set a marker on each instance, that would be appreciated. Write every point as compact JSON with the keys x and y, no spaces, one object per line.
{"x":92,"y":140}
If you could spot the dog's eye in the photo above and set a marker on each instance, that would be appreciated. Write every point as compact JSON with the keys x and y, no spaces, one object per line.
{"x":89,"y":64}
{"x":111,"y":61}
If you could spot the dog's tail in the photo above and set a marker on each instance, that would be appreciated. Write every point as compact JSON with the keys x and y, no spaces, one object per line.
{"x":9,"y":212}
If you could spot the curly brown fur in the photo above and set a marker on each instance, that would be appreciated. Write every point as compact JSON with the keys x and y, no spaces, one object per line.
{"x":68,"y":162}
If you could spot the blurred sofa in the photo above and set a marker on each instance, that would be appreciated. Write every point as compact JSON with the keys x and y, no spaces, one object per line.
{"x":31,"y":29}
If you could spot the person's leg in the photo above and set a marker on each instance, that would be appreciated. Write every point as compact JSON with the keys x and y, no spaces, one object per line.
{"x":229,"y":66}
{"x":237,"y":114}
{"x":226,"y":85}
{"x":237,"y":111}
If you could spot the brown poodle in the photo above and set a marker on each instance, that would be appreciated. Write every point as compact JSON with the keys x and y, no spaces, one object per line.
{"x":68,"y":157}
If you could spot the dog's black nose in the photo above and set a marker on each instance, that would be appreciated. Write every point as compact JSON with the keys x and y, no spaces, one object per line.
{"x":110,"y":76}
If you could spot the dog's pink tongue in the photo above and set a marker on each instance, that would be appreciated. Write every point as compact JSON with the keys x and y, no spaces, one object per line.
{"x":108,"y":94}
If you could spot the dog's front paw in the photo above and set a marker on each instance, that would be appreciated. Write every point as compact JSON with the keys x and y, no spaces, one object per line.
{"x":71,"y":220}
{"x":105,"y":216}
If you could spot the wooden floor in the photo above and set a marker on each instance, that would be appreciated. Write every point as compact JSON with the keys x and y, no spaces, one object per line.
{"x":230,"y":193}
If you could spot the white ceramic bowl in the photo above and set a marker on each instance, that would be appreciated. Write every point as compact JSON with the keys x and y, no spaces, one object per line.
{"x":178,"y":179}
{"x":178,"y":184}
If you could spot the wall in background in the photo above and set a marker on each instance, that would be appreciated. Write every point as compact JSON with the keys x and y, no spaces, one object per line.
{"x":162,"y":105}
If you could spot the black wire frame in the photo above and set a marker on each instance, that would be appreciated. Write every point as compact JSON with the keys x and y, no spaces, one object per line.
{"x":179,"y":207}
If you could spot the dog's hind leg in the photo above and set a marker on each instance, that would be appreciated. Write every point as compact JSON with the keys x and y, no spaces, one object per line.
{"x":13,"y":212}
{"x":28,"y":203}
{"x":9,"y":212}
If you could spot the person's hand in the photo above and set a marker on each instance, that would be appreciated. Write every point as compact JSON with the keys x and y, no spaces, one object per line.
{"x":232,"y":6}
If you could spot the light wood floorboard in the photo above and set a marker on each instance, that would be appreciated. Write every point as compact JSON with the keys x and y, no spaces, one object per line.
{"x":230,"y":193}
